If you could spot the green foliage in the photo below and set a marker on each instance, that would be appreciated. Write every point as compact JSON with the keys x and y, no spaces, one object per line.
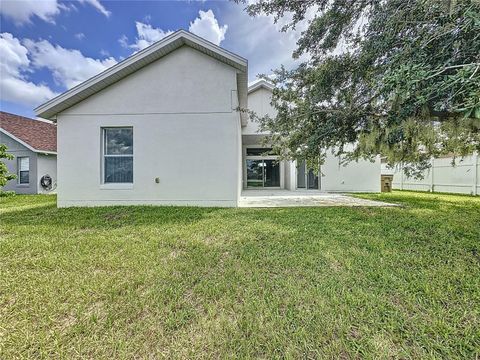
{"x":6,"y":193}
{"x":5,"y":176}
{"x":407,"y":87}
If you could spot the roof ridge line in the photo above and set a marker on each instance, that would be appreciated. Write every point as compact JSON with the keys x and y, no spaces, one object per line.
{"x":57,"y":104}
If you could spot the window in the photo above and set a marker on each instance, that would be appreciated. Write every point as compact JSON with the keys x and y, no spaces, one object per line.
{"x":118,"y":155}
{"x":259,"y":151}
{"x":23,"y":170}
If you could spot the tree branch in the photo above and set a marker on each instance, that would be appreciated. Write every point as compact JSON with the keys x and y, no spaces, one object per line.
{"x":449,"y":68}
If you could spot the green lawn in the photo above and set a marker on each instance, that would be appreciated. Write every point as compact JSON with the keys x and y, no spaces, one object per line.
{"x":153,"y":282}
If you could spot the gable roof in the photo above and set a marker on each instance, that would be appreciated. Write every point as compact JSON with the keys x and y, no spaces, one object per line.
{"x":36,"y":135}
{"x":262,"y":83}
{"x":143,"y":58}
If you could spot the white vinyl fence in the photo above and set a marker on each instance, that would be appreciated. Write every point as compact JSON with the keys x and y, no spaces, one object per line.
{"x":463,"y":177}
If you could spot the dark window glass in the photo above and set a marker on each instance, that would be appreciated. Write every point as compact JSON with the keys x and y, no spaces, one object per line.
{"x":301,"y":175}
{"x":272,"y":173}
{"x":263,"y":173}
{"x":23,"y":170}
{"x":118,"y":157}
{"x":24,"y":177}
{"x":312,"y":180}
{"x":259,"y":151}
{"x":118,"y":169}
{"x":254,"y":173}
{"x":119,"y":141}
{"x":306,"y":178}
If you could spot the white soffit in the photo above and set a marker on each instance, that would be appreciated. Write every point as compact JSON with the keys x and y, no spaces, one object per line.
{"x":262,"y":83}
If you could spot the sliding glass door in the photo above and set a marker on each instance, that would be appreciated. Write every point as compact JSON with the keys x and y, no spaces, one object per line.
{"x":254,"y":173}
{"x":262,"y":172}
{"x":306,"y":178}
{"x":271,"y":173}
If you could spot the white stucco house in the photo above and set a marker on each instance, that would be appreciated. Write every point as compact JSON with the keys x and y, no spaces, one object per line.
{"x":162,"y":127}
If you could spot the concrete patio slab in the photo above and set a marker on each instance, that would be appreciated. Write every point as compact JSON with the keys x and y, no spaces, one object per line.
{"x":285,"y":198}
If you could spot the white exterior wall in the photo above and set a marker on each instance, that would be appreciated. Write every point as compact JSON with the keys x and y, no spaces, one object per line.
{"x":361,"y":176}
{"x":290,"y":175}
{"x":46,"y":164}
{"x":185,"y":132}
{"x":259,"y":102}
{"x":463,"y":178}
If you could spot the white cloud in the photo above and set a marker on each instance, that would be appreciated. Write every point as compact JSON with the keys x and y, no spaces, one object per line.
{"x":123,"y":41}
{"x":14,"y":64}
{"x":97,"y":5}
{"x":14,"y":55}
{"x":206,"y":26}
{"x":19,"y":59}
{"x":80,"y":36}
{"x":20,"y":91}
{"x":146,"y":36}
{"x":69,"y":67}
{"x":260,"y":40}
{"x":22,"y":11}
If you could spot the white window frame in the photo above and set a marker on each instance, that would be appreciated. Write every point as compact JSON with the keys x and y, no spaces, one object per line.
{"x":19,"y":160}
{"x":104,"y":155}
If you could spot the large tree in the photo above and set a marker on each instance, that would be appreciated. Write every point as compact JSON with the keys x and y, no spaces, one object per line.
{"x":399,"y":78}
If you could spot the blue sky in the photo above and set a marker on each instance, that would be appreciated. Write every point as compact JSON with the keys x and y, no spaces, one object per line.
{"x":48,"y":46}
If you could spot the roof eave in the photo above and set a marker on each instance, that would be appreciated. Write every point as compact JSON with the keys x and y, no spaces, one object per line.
{"x":260,"y":84}
{"x":82,"y":91}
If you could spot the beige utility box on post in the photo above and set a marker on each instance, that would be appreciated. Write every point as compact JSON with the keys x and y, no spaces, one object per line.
{"x":386,"y":183}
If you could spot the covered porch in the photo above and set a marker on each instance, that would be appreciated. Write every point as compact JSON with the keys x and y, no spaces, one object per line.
{"x":263,"y":169}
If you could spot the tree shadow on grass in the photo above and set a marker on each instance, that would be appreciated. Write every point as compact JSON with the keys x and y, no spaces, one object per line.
{"x":432,"y":201}
{"x":420,"y":216}
{"x":104,"y":217}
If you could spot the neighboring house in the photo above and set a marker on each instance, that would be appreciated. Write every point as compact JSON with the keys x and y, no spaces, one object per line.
{"x":162,"y":127}
{"x":33,"y":143}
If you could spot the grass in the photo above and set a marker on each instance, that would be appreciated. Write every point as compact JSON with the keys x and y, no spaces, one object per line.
{"x":154,"y":282}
